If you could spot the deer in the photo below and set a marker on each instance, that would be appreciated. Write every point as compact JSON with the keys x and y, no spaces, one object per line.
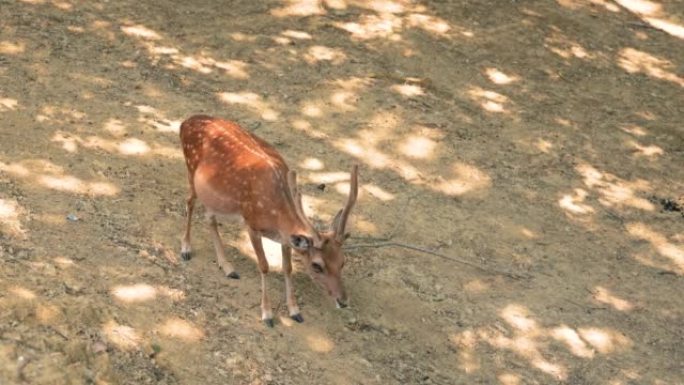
{"x":234,"y":173}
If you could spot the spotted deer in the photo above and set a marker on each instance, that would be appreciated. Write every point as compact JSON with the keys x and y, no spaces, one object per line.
{"x":236,"y":173}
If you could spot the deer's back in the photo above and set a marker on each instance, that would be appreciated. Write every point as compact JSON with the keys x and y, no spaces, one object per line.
{"x":229,"y":168}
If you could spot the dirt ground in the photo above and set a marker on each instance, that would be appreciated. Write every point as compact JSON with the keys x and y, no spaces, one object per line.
{"x":540,"y":141}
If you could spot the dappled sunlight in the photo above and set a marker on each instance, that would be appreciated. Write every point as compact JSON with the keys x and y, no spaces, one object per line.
{"x":299,"y":35}
{"x":326,"y":177}
{"x":8,"y":104}
{"x":460,"y":179}
{"x":299,"y":8}
{"x":61,"y":115}
{"x":476,"y":286}
{"x":312,"y":164}
{"x":489,"y":100}
{"x":251,"y":100}
{"x":465,"y":179}
{"x":306,"y":127}
{"x":365,"y":147}
{"x":363,"y":226}
{"x":566,"y":122}
{"x":319,"y":342}
{"x":519,"y":318}
{"x":201,"y":62}
{"x":64,"y":262}
{"x":319,"y":53}
{"x":652,"y":13}
{"x":143,"y":292}
{"x":344,"y":100}
{"x":156,"y":119}
{"x":272,"y":249}
{"x":468,"y":360}
{"x":11,"y":48}
{"x":115,"y":127}
{"x":635,"y":61}
{"x":672,"y":252}
{"x":640,"y":150}
{"x":121,"y":336}
{"x":634,"y":130}
{"x":23,"y":292}
{"x":408,"y":90}
{"x":127,"y":147}
{"x":498,"y":77}
{"x":531,"y":340}
{"x":421,"y":144}
{"x":509,"y":379}
{"x":614,"y":191}
{"x":369,"y":27}
{"x":565,"y":47}
{"x":140,"y":31}
{"x":10,"y":218}
{"x":417,"y":146}
{"x":605,"y":341}
{"x":60,"y":4}
{"x":27,"y":305}
{"x":312,"y":109}
{"x":543,"y":145}
{"x":669,"y":27}
{"x":572,"y":340}
{"x":52,"y":176}
{"x":344,"y":96}
{"x":603,"y":295}
{"x":47,"y":313}
{"x":375,"y":158}
{"x":391,"y":18}
{"x":181,"y":329}
{"x":431,"y":24}
{"x":374,"y":190}
{"x":575,"y":4}
{"x":573,"y":204}
{"x":642,"y":7}
{"x":527,"y":233}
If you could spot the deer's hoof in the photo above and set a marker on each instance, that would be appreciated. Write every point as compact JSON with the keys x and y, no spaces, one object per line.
{"x":269,"y":322}
{"x":297,"y":317}
{"x":233,"y":275}
{"x":186,"y":255}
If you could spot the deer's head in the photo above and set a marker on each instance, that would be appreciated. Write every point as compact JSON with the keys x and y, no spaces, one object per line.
{"x":322,"y":251}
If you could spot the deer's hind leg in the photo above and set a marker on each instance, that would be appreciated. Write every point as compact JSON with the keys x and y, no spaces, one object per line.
{"x":186,"y":248}
{"x":221,"y":260}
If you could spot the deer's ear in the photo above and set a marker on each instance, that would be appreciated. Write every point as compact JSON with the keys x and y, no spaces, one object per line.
{"x":300,"y":242}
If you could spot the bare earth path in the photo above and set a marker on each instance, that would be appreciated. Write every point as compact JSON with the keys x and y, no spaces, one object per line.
{"x":543,"y":138}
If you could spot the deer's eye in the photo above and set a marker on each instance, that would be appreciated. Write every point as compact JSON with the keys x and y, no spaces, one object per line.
{"x":316,"y":267}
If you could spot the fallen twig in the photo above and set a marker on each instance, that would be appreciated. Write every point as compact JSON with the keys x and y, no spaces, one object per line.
{"x":436,"y":254}
{"x":643,"y":25}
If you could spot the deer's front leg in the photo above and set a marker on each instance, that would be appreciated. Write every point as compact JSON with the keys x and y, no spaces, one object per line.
{"x":266,"y":312}
{"x":292,"y":307}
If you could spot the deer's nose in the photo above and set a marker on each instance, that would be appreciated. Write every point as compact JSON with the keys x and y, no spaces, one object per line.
{"x":340,"y":304}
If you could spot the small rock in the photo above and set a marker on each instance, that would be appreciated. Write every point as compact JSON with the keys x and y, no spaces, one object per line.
{"x":73,"y":288}
{"x":98,"y":347}
{"x":72,"y":218}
